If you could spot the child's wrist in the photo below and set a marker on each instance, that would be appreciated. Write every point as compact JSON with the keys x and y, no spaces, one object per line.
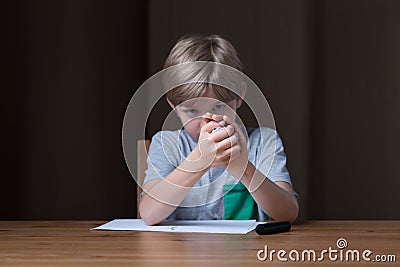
{"x":248,"y":174}
{"x":194,"y":163}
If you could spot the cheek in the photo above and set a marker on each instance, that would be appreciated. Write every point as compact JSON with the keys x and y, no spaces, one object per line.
{"x":232,"y":115}
{"x":230,"y":111}
{"x":193,"y":127}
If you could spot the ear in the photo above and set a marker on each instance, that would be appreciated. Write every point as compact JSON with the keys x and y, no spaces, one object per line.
{"x":240,"y":100}
{"x":170,"y":103}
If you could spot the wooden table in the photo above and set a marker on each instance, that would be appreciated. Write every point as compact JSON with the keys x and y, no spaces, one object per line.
{"x":71,"y":243}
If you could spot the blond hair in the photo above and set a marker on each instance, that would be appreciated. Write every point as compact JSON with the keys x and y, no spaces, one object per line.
{"x":195,"y":48}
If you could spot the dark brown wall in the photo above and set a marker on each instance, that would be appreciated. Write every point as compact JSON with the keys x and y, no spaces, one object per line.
{"x":356,"y":162}
{"x":74,"y":66}
{"x":328,"y":68}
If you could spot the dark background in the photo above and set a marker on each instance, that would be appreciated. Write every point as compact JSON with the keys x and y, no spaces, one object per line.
{"x":329,"y":69}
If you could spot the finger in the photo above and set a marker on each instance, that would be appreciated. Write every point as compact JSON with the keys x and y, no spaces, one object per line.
{"x":235,"y":151}
{"x":222,"y":133}
{"x":207,"y":117}
{"x":217,"y":117}
{"x":213,"y":117}
{"x":210,"y":125}
{"x":236,"y":127}
{"x":232,"y":152}
{"x":228,"y":142}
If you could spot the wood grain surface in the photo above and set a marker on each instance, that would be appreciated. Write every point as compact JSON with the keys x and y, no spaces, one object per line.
{"x":72,"y":243}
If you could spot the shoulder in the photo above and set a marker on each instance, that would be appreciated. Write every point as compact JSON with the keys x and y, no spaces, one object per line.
{"x":172,"y":142}
{"x":264,"y":139}
{"x":261,"y":131}
{"x":164,"y":134}
{"x":261,"y":135}
{"x":164,"y":138}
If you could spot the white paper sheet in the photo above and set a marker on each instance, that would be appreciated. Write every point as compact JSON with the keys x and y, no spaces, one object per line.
{"x":199,"y":226}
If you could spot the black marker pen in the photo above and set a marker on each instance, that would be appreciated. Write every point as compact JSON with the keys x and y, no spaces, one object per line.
{"x":273,"y":228}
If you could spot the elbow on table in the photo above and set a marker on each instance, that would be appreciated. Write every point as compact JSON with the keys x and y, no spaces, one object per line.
{"x":294,"y":213}
{"x":150,"y":221}
{"x":289,"y":215}
{"x":148,"y":217}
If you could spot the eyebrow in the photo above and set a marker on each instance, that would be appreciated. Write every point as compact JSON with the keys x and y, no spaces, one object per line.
{"x":193,"y":102}
{"x":187,"y":107}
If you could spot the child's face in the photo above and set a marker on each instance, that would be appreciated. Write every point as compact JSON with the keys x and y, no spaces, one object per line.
{"x":190,"y":111}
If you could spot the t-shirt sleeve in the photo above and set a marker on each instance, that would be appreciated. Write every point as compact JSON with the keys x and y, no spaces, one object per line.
{"x":161,"y":159}
{"x":271,"y":156}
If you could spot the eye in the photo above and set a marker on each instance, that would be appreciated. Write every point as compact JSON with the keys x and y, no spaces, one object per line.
{"x":191,"y":111}
{"x":219,"y":107}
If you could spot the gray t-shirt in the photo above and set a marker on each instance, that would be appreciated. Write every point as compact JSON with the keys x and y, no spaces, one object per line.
{"x":205,"y":200}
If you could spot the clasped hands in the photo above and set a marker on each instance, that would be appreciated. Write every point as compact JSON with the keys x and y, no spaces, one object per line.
{"x":221,"y":143}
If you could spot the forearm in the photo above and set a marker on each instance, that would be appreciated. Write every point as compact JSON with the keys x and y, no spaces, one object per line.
{"x":166,"y":195}
{"x":279,"y":203}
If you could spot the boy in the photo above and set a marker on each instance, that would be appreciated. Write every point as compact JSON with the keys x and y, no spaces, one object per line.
{"x":213,"y":168}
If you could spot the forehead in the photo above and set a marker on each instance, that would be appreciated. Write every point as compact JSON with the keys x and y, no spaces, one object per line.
{"x":207,"y":99}
{"x":199,"y":102}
